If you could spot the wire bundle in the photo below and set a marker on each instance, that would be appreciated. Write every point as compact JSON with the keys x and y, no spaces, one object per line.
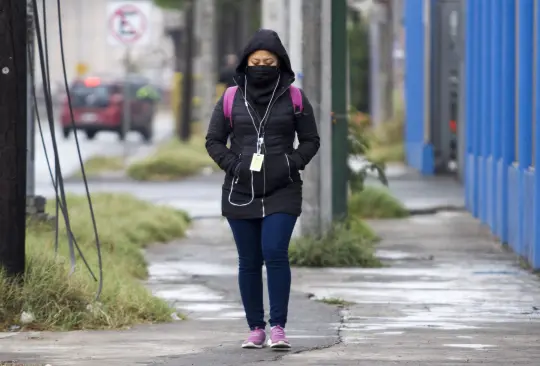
{"x":57,"y":177}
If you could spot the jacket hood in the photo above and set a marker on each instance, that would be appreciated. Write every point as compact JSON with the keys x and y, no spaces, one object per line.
{"x":268,"y":40}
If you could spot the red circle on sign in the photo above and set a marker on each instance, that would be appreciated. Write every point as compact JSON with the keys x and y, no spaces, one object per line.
{"x":119,"y":13}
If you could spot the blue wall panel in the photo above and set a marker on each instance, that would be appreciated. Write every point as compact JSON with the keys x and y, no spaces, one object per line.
{"x":418,"y":152}
{"x":525,"y":77}
{"x":528,"y":214}
{"x":496,"y":55}
{"x":477,"y":107}
{"x":501,"y":186}
{"x":513,"y":206}
{"x":535,"y":250}
{"x":508,"y":72}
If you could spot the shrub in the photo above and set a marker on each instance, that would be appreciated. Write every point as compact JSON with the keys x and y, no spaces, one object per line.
{"x":345,"y":245}
{"x":96,"y":165}
{"x":173,"y":160}
{"x":60,"y":301}
{"x":375,"y":203}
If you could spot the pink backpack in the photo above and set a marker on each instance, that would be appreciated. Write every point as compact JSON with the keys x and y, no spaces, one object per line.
{"x":228,"y":99}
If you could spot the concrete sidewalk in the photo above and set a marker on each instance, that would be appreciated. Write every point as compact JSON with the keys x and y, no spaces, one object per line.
{"x":198,"y":276}
{"x":449,"y":295}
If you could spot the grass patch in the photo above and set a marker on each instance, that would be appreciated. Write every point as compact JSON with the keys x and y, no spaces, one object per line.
{"x":97,"y":165}
{"x":349,"y":244}
{"x":387,"y":153}
{"x":336,"y":301}
{"x":172,"y":161}
{"x":386,"y":140}
{"x":62,"y":302}
{"x":376,"y":203}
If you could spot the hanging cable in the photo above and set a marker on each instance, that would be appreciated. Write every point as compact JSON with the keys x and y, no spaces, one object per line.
{"x":47,"y":67}
{"x":48,"y":85}
{"x":89,"y":198}
{"x":38,"y":119}
{"x":59,"y":182}
{"x":50,"y":117}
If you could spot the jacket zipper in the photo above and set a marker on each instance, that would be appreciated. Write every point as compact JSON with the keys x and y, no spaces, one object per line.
{"x":289,"y":167}
{"x":260,"y":127}
{"x":264,"y":166}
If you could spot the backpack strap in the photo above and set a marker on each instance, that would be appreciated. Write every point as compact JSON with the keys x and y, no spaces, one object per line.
{"x":228,"y":100}
{"x":296,"y":97}
{"x":230,"y":92}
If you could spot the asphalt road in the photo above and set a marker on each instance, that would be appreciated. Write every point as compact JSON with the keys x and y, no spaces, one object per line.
{"x":104,"y":144}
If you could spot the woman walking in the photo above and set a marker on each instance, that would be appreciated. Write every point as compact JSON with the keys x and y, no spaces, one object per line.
{"x":262,"y":192}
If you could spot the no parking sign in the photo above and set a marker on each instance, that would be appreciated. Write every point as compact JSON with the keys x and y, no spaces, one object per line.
{"x":128,"y":23}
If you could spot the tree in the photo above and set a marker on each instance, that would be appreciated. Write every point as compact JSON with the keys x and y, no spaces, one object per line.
{"x":359,"y":64}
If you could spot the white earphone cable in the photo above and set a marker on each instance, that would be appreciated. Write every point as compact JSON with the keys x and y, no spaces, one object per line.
{"x":259,"y":142}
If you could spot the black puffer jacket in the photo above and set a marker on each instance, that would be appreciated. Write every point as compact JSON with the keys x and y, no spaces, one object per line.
{"x":277,"y":188}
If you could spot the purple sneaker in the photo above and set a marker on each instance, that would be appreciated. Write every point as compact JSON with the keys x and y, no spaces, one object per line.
{"x":278,"y":340}
{"x":256,"y":339}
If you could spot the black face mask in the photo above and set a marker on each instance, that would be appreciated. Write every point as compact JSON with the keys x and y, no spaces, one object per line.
{"x":262,"y":75}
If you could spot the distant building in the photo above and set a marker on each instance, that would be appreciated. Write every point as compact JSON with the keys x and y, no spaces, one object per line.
{"x":85,"y":28}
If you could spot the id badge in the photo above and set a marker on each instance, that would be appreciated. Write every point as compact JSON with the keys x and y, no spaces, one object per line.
{"x":256,"y":162}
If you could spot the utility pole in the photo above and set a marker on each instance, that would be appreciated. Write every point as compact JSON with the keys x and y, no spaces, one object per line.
{"x":274,"y":16}
{"x":296,"y":38}
{"x":340,"y":128}
{"x":316,"y":41}
{"x":382,"y":46}
{"x":312,"y":51}
{"x":388,"y":60}
{"x":325,"y":124}
{"x":187,"y":79}
{"x":207,"y":54}
{"x":13,"y":73}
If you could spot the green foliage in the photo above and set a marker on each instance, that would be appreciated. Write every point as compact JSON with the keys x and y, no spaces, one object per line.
{"x":173,"y":160}
{"x":349,"y":244}
{"x":63,"y":301}
{"x":359,"y":54}
{"x":376,"y":203}
{"x":359,"y":140}
{"x":387,"y":153}
{"x":336,"y":301}
{"x":387,"y":140}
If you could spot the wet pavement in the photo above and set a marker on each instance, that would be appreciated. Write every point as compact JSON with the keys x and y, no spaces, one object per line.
{"x":198,"y":277}
{"x":199,"y":196}
{"x":448,"y":295}
{"x":104,"y":144}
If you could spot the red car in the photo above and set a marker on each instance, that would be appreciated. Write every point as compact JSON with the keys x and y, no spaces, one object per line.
{"x":98,"y":105}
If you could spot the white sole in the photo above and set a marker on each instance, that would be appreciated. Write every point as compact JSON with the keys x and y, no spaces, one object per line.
{"x":279,"y":346}
{"x":251,"y":345}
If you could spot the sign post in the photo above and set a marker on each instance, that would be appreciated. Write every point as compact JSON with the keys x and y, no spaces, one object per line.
{"x":128,"y":24}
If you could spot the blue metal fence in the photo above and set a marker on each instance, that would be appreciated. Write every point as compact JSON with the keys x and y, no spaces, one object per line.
{"x":502,"y":105}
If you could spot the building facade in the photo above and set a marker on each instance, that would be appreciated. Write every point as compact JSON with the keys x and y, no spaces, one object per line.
{"x":494,"y":70}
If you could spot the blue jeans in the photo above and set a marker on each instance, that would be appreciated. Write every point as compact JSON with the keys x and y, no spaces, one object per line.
{"x":264,"y":240}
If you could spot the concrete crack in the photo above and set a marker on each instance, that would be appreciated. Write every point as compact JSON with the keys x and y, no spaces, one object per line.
{"x":342,"y":312}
